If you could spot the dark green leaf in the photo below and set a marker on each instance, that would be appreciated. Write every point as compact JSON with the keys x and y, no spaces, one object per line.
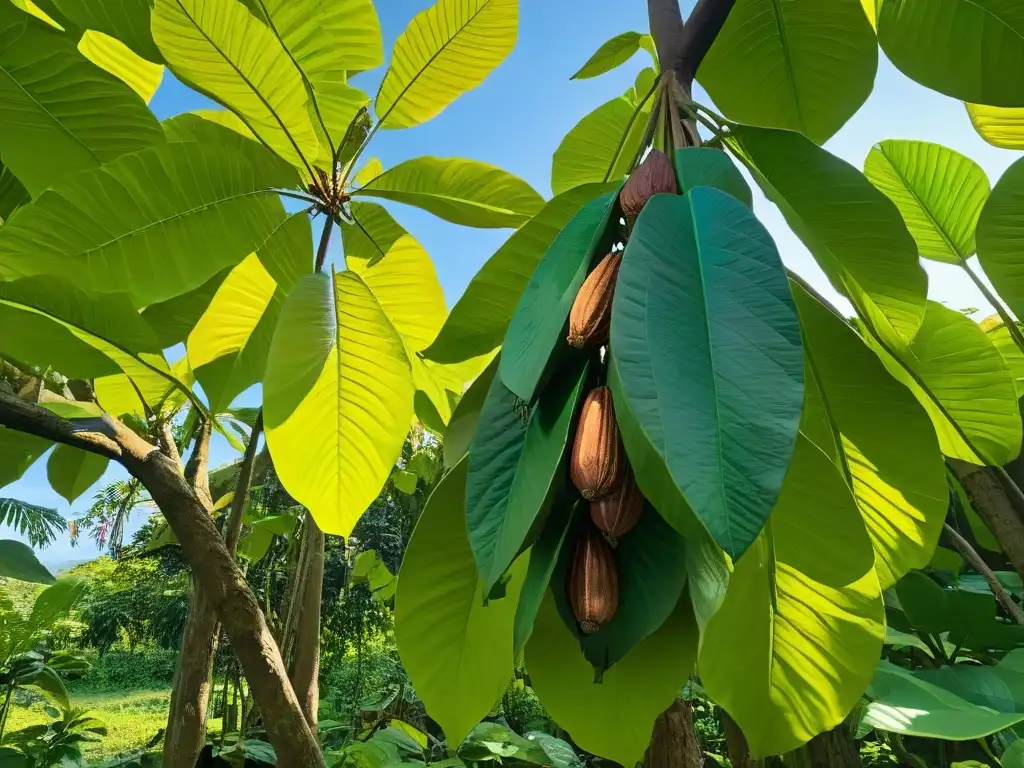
{"x":462,"y":426}
{"x":707,"y":167}
{"x":17,"y":561}
{"x":1001,"y":237}
{"x":544,"y":558}
{"x":18,"y":451}
{"x":72,"y":471}
{"x":125,"y":20}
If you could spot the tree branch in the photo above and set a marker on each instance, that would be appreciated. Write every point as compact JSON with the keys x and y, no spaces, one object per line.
{"x":969,"y":554}
{"x":683,"y":46}
{"x":197,"y":470}
{"x":234,"y":525}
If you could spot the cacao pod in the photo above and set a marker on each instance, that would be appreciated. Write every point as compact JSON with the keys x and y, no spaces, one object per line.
{"x":654,"y":175}
{"x":596,"y":463}
{"x":591,"y":317}
{"x":593,"y":582}
{"x":616,"y":514}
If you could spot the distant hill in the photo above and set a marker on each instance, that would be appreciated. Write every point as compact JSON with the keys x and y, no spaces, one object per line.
{"x":61,"y":566}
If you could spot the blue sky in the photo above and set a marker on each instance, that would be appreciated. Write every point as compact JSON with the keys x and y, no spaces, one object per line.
{"x":516,"y":119}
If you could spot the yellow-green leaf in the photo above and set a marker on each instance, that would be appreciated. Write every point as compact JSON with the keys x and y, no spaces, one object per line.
{"x":149,"y":375}
{"x":119,"y":60}
{"x":446,"y":50}
{"x":614,"y":52}
{"x":338,"y":398}
{"x":369,"y":172}
{"x":999,"y":126}
{"x":72,"y":471}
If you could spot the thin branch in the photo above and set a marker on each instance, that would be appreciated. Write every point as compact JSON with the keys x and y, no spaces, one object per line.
{"x":325,"y":239}
{"x":971,"y":555}
{"x":1004,"y":314}
{"x":197,"y":470}
{"x":699,"y":33}
{"x":234,"y":524}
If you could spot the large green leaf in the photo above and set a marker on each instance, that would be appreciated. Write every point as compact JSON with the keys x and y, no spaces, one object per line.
{"x":124,"y":20}
{"x":600,"y":147}
{"x":826,"y":202}
{"x":709,"y":167}
{"x":939,"y":192}
{"x":514,"y":465}
{"x":72,"y":471}
{"x":462,"y":424}
{"x":538,"y":325}
{"x":962,"y":48}
{"x":154,"y":224}
{"x":338,"y":398}
{"x":147,"y":382}
{"x":221,"y":49}
{"x":173,"y":320}
{"x":964,"y":383}
{"x":465,"y":192}
{"x":118,"y":59}
{"x":18,"y":561}
{"x":613,"y":718}
{"x":804,"y":66}
{"x":1000,"y":237}
{"x":58,"y":112}
{"x":999,"y":126}
{"x":481,"y":316}
{"x":878,"y":435}
{"x":446,"y":50}
{"x":806,"y":602}
{"x":707,"y":353}
{"x":13,"y":194}
{"x":18,"y":451}
{"x":615,"y":52}
{"x":456,"y":647}
{"x":545,"y":556}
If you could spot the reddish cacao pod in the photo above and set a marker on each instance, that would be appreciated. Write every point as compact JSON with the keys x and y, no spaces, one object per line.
{"x":591,"y":317}
{"x":653,"y":176}
{"x":596,"y":463}
{"x":593,"y":582}
{"x":618,"y":513}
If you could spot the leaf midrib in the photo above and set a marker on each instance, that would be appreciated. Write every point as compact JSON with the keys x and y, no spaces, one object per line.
{"x":790,"y":70}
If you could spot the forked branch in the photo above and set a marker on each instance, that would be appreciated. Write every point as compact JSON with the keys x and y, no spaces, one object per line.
{"x":682,"y":46}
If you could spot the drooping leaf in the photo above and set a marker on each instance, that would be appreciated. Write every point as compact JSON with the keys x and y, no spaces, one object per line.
{"x":826,"y":202}
{"x":804,"y":67}
{"x":707,"y":356}
{"x":222,"y":50}
{"x":708,"y":167}
{"x":205,"y":208}
{"x":456,"y":648}
{"x":12,"y":194}
{"x":961,"y":48}
{"x":464,"y":192}
{"x":338,"y":398}
{"x":18,"y":451}
{"x":514,"y":463}
{"x":545,"y":555}
{"x":162,"y":386}
{"x":481,"y":316}
{"x":999,"y":126}
{"x":613,"y":718}
{"x":124,"y":20}
{"x":57,"y":109}
{"x":870,"y":425}
{"x":18,"y":561}
{"x":119,"y":60}
{"x":173,"y":320}
{"x":963,"y":383}
{"x":462,"y":425}
{"x":939,"y":192}
{"x":1000,"y":239}
{"x":601,"y":146}
{"x":806,"y":601}
{"x":72,"y":471}
{"x":446,"y":50}
{"x":613,"y":53}
{"x":539,"y":321}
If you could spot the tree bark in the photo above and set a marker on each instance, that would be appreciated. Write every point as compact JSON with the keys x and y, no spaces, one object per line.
{"x":203,"y":549}
{"x":834,"y":749}
{"x":736,"y":742}
{"x":992,"y":504}
{"x":305,"y":667}
{"x":683,"y":46}
{"x":977,"y":563}
{"x":674,"y":743}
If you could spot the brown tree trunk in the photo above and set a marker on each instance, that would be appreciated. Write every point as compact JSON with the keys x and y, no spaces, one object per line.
{"x":674,"y":743}
{"x":305,"y":667}
{"x":992,"y":504}
{"x":736,"y":743}
{"x":833,"y":749}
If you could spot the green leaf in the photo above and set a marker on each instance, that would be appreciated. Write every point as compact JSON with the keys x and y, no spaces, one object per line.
{"x":338,"y":397}
{"x":456,"y":647}
{"x":613,"y":718}
{"x":72,"y":471}
{"x":961,"y":48}
{"x":1000,"y":240}
{"x":446,"y":50}
{"x":877,"y":434}
{"x":601,"y":146}
{"x":160,"y":385}
{"x":125,"y":20}
{"x":118,"y":59}
{"x":173,"y":320}
{"x":18,"y":451}
{"x":545,"y":555}
{"x":481,"y":316}
{"x":826,"y":201}
{"x":999,"y":126}
{"x":514,"y":464}
{"x":373,"y":234}
{"x":805,"y":67}
{"x":963,"y":382}
{"x":538,"y":325}
{"x":18,"y":561}
{"x":464,"y":192}
{"x":58,"y":110}
{"x":405,"y":482}
{"x":219,"y":48}
{"x":1013,"y":757}
{"x":463,"y":423}
{"x":707,"y":167}
{"x":614,"y":53}
{"x":806,"y":601}
{"x":707,"y":354}
{"x":939,"y":192}
{"x":155,"y":224}
{"x":12,"y":194}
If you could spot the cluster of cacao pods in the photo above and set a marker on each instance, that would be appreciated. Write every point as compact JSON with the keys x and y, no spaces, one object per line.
{"x":598,"y":467}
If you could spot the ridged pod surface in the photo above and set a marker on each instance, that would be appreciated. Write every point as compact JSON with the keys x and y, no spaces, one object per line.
{"x":593,"y":582}
{"x":653,"y":176}
{"x":596,"y":464}
{"x":591,"y":317}
{"x":618,"y":513}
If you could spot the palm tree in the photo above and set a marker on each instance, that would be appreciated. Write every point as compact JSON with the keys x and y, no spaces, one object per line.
{"x":40,"y":525}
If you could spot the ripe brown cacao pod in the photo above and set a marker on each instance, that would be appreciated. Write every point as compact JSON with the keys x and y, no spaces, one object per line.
{"x":654,"y":175}
{"x":596,"y":464}
{"x":618,"y":513}
{"x":591,"y":317}
{"x":593,"y":582}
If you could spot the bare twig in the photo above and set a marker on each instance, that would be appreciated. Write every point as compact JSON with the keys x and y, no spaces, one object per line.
{"x":971,"y":555}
